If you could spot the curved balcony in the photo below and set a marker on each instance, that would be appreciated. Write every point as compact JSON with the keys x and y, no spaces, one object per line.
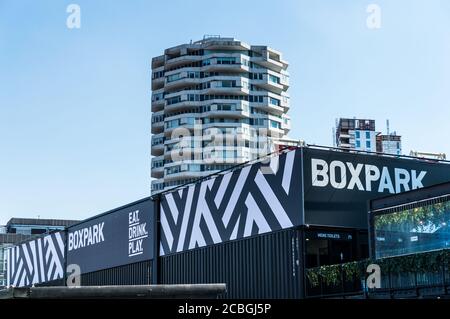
{"x":157,"y":147}
{"x":157,"y":122}
{"x":180,"y":60}
{"x":183,"y":153}
{"x":183,"y":81}
{"x":157,"y":186}
{"x":158,"y":83}
{"x":269,"y":85}
{"x":157,"y":170}
{"x":270,"y":63}
{"x":158,"y":100}
{"x":185,"y":175}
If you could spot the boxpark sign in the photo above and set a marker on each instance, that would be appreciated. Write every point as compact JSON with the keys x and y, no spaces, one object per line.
{"x":338,"y":185}
{"x":112,"y":239}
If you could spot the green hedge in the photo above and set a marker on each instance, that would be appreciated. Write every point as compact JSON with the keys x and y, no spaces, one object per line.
{"x":423,"y":262}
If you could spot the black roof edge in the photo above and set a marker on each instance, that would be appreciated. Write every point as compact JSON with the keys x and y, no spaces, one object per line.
{"x":112,"y":211}
{"x":403,"y":197}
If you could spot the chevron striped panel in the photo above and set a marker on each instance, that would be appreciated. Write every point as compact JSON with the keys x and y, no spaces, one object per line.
{"x":256,"y":199}
{"x":36,"y":261}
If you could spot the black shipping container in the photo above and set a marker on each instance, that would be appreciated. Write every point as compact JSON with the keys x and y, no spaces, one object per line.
{"x":132,"y":274}
{"x":255,"y":228}
{"x":263,"y":266}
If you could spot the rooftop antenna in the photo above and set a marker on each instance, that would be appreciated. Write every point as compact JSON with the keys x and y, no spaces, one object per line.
{"x":334,"y":137}
{"x":387,"y":126}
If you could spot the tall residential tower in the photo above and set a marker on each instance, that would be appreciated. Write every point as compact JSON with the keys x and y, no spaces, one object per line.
{"x":216,"y":103}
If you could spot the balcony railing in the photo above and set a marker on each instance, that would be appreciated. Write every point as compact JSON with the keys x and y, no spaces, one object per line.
{"x":413,"y":276}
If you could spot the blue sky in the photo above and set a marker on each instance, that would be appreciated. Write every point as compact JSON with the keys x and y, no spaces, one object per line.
{"x":75,"y":103}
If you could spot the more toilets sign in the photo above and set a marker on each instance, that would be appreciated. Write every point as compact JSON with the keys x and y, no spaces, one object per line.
{"x":116,"y":238}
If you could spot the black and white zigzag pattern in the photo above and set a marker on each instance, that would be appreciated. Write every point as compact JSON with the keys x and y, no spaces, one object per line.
{"x":256,"y":199}
{"x":36,"y":261}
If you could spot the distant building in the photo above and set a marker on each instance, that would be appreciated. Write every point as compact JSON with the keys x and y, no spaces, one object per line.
{"x":389,"y":143}
{"x":356,"y":134}
{"x":361,"y":135}
{"x":18,"y":230}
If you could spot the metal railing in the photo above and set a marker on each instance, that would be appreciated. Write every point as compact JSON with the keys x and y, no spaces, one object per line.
{"x":411,"y":276}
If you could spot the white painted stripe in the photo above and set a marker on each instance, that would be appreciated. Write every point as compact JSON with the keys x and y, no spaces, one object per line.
{"x":19,"y":268}
{"x":13,"y":263}
{"x":60,"y":243}
{"x":134,"y":224}
{"x":41,"y":258}
{"x":235,"y":230}
{"x":52,"y":252}
{"x":35,"y":263}
{"x":203,"y":210}
{"x":207,"y":213}
{"x":137,"y":238}
{"x":186,"y":214}
{"x":136,"y":254}
{"x":48,"y":251}
{"x":235,"y":195}
{"x":18,"y":262}
{"x":166,"y":228}
{"x":8,"y":267}
{"x":254,"y":215}
{"x":161,"y":249}
{"x":274,"y":164}
{"x":50,"y":271}
{"x":173,"y":207}
{"x":22,"y":280}
{"x":222,"y":188}
{"x":273,"y":201}
{"x":287,"y":173}
{"x":29,"y":264}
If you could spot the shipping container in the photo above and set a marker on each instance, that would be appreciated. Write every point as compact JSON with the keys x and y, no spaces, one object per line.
{"x":263,"y":266}
{"x":256,"y":227}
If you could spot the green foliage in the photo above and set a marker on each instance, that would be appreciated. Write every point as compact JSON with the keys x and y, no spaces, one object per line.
{"x":313,"y":276}
{"x":331,"y":275}
{"x":352,"y":269}
{"x":418,"y":217}
{"x":422,"y":263}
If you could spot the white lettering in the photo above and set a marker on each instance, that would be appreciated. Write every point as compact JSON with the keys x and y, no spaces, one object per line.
{"x":371,"y":177}
{"x":316,"y":173}
{"x":401,"y":178}
{"x":70,"y":241}
{"x":385,"y":182}
{"x":342,"y":169}
{"x":86,"y":237}
{"x":393,"y":180}
{"x":416,"y":181}
{"x":355,"y":176}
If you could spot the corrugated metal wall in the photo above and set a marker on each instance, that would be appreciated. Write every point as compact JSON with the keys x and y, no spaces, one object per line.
{"x":131,"y":274}
{"x":265,"y":266}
